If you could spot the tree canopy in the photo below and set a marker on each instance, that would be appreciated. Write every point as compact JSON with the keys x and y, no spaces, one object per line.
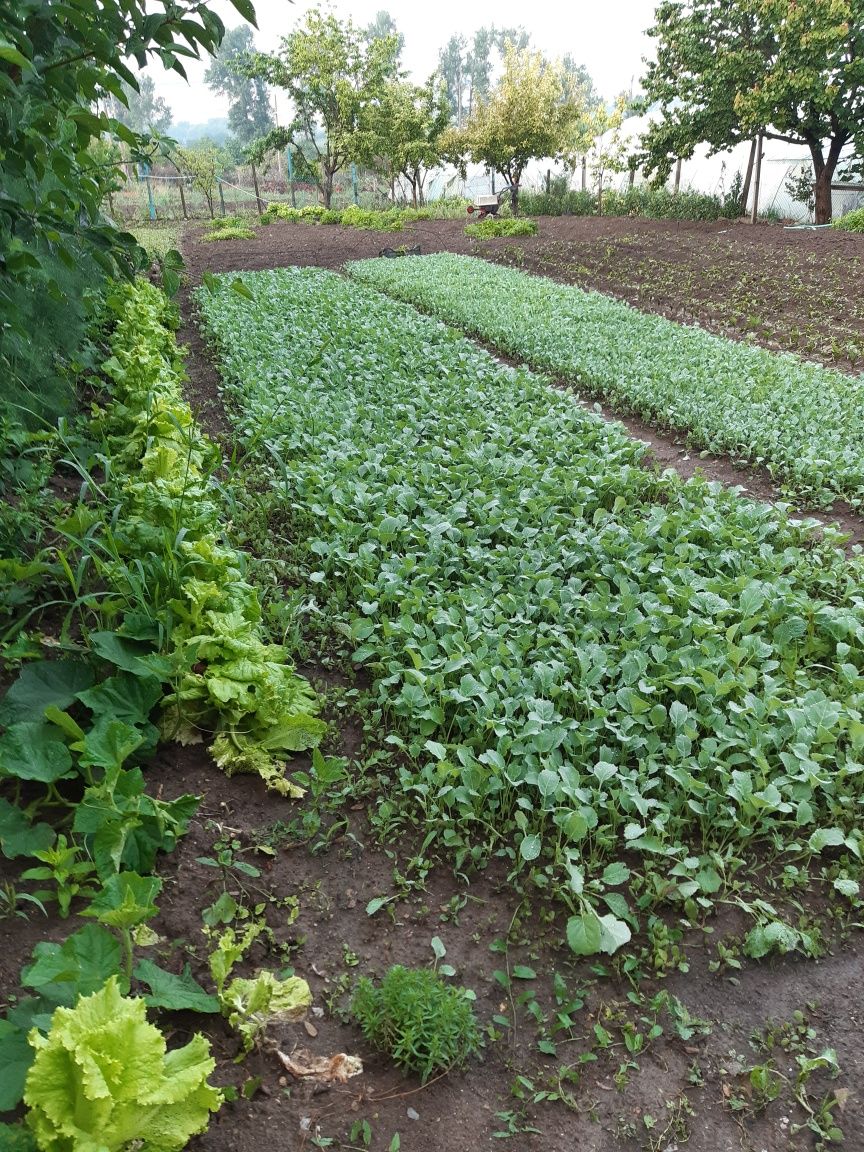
{"x":333,"y":75}
{"x":60,"y":64}
{"x":727,"y":69}
{"x":405,"y":129}
{"x":142,"y":110}
{"x":466,"y":70}
{"x":249,"y":112}
{"x":533,"y":112}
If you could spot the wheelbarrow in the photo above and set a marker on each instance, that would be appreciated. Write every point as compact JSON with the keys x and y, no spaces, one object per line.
{"x":489,"y":205}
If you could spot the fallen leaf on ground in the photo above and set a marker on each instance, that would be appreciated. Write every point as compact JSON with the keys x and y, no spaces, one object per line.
{"x":326,"y":1069}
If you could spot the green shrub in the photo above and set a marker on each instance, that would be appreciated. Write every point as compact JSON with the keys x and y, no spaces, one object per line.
{"x":222,"y":222}
{"x":651,"y":203}
{"x":233,"y":233}
{"x":558,"y":202}
{"x":851,"y":222}
{"x":489,"y":228}
{"x":424,"y":1024}
{"x":388,"y":220}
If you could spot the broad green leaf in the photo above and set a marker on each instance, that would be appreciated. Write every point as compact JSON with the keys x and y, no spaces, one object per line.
{"x":176,"y":993}
{"x":77,"y":967}
{"x":585,"y":933}
{"x":43,"y":684}
{"x":529,"y":848}
{"x":18,"y":837}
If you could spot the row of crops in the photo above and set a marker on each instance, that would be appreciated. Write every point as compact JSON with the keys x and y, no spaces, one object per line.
{"x":623,"y":683}
{"x":800,"y":420}
{"x":160,"y":638}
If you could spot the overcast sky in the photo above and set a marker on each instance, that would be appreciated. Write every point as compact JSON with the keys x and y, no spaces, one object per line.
{"x":608,"y":38}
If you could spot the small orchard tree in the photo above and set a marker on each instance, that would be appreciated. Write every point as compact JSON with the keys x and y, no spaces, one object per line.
{"x":203,"y":163}
{"x":727,"y":69}
{"x":529,"y":115}
{"x":608,"y":151}
{"x":404,"y":132}
{"x":332,"y":73}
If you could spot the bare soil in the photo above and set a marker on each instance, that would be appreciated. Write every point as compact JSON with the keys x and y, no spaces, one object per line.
{"x":795,"y":291}
{"x":695,"y":1091}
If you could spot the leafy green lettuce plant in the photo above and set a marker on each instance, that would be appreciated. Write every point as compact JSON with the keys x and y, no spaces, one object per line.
{"x":227,"y":680}
{"x":103,"y":1081}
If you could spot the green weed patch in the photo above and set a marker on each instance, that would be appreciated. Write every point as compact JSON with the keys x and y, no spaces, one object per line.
{"x":491,"y":227}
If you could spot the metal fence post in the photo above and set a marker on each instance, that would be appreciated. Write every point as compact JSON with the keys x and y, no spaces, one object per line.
{"x":145,"y":168}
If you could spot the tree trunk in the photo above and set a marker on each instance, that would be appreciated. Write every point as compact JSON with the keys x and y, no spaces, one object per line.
{"x":823,"y":197}
{"x":514,"y":196}
{"x":824,"y":168}
{"x":327,"y":190}
{"x":748,"y":176}
{"x":257,"y":193}
{"x":757,"y":179}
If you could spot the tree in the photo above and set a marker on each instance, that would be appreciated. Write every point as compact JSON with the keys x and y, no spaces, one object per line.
{"x":59,"y":64}
{"x":529,"y":115}
{"x":728,"y":69}
{"x":578,"y":80}
{"x":609,"y":151}
{"x":249,"y":112}
{"x":333,"y":76}
{"x":142,"y":110}
{"x":467,"y":73}
{"x":203,"y":162}
{"x":383,"y":26}
{"x":405,"y":131}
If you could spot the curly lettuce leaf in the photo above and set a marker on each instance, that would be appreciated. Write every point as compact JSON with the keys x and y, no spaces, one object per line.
{"x":102,"y":1079}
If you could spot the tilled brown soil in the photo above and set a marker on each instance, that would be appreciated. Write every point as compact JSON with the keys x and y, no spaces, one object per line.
{"x":674,"y":1091}
{"x":760,"y":283}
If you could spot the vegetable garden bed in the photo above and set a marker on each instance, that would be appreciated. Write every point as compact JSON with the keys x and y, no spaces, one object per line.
{"x":800,"y":420}
{"x":602,"y":675}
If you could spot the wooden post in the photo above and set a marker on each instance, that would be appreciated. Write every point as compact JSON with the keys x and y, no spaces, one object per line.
{"x":492,"y":174}
{"x":548,"y":181}
{"x":257,"y":193}
{"x":748,"y":177}
{"x":756,"y":180}
{"x":221,"y":196}
{"x":182,"y":198}
{"x":354,"y":188}
{"x":291,"y":178}
{"x":584,"y":173}
{"x":677,"y":175}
